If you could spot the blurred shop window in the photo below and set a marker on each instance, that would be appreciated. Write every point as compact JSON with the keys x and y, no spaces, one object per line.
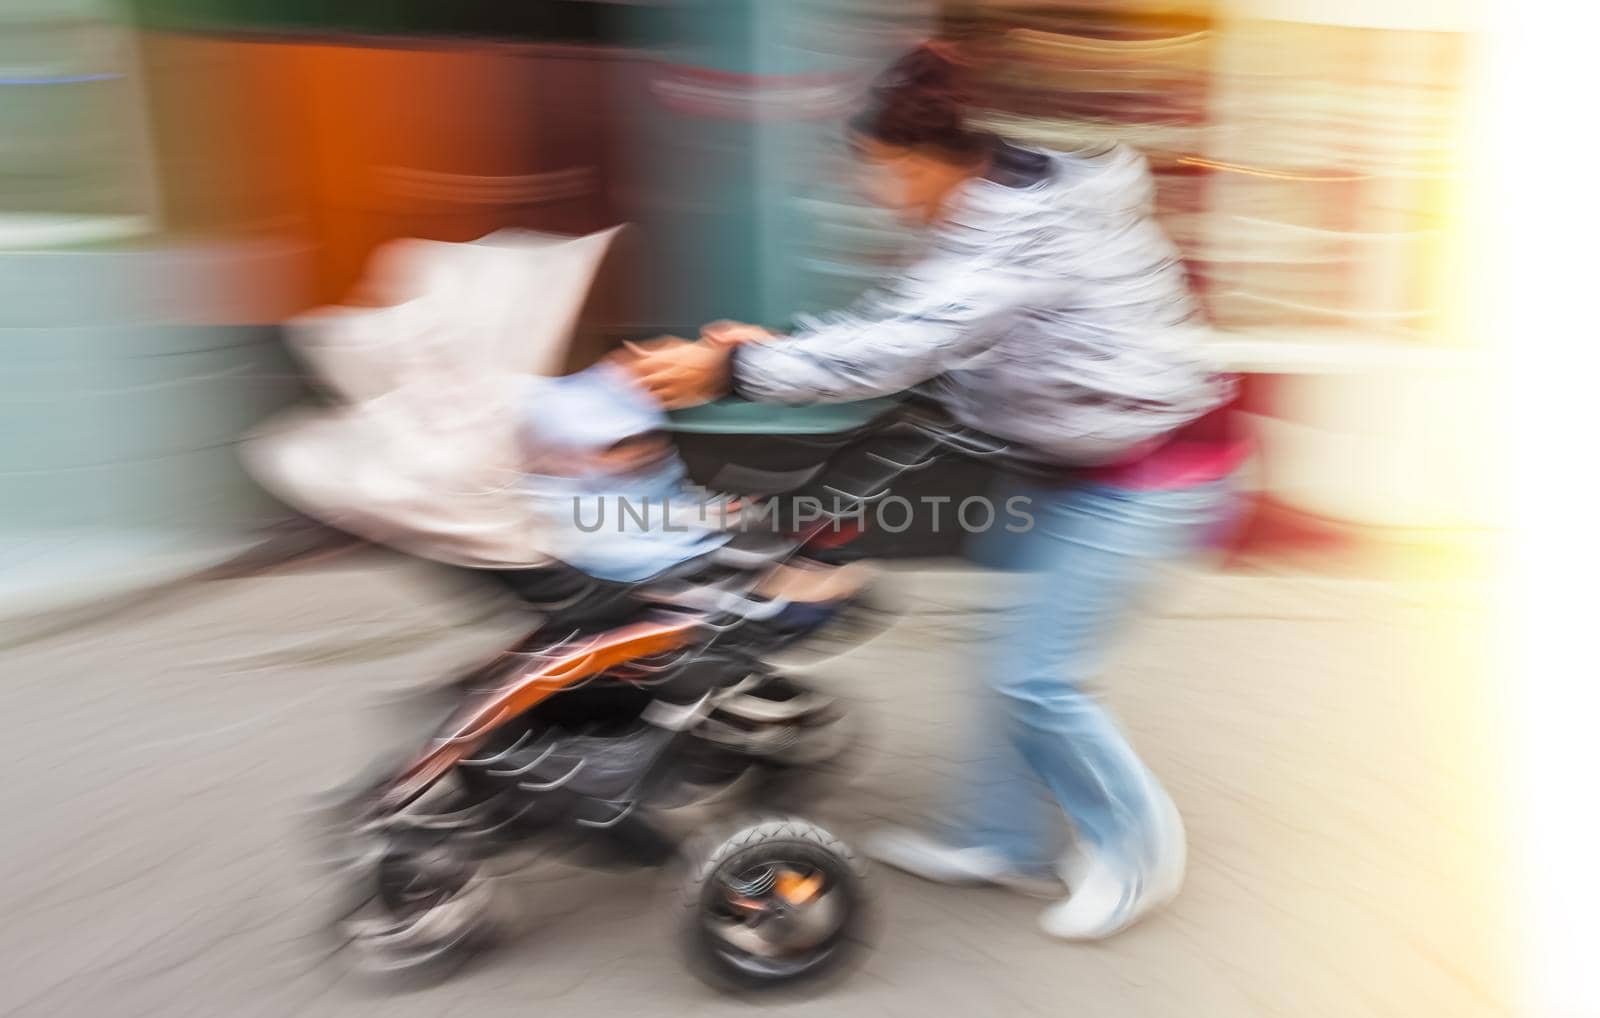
{"x":1332,"y":163}
{"x":357,"y":123}
{"x":1303,"y":169}
{"x":74,"y":158}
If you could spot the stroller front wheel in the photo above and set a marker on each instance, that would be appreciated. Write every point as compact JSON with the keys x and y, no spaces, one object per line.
{"x":777,"y":903}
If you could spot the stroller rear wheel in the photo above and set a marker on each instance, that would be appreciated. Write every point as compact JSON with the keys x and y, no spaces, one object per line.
{"x":425,"y":909}
{"x":776,"y":904}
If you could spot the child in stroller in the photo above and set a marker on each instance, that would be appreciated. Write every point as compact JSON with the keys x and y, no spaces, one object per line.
{"x":613,"y":496}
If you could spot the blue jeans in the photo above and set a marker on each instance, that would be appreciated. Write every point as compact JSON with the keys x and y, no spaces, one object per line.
{"x":1087,"y":557}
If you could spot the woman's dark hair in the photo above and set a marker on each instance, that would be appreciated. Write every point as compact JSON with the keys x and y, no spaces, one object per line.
{"x":920,"y":103}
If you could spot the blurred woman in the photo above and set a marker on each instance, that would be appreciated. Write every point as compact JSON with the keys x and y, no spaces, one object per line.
{"x":1047,"y":308}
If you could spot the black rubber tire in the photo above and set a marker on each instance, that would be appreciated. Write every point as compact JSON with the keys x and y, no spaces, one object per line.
{"x":786,"y":838}
{"x":419,"y":965}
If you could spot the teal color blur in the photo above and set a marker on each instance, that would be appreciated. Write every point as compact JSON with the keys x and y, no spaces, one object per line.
{"x":120,"y":397}
{"x":737,"y":195}
{"x":740,"y":417}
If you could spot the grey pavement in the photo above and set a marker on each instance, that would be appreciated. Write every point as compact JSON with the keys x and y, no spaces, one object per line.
{"x":1332,"y":743}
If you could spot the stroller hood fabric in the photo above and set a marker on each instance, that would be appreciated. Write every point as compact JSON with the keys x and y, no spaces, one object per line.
{"x":421,"y":450}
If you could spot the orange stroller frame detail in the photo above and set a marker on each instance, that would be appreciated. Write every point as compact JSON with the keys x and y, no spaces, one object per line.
{"x":594,"y":656}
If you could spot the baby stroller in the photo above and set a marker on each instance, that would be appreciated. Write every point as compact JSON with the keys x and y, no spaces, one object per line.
{"x":624,"y":700}
{"x":630,"y":698}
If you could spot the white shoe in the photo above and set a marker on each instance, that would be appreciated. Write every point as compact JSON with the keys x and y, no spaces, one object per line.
{"x":1074,"y":864}
{"x":931,"y":859}
{"x":1104,"y":900}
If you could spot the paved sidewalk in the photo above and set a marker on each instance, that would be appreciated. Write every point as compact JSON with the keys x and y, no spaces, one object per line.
{"x":1331,"y":743}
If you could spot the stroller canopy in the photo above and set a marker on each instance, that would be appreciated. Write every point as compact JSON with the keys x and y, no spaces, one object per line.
{"x":419,"y":449}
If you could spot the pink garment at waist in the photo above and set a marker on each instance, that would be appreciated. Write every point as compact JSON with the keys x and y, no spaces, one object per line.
{"x":1207,"y":449}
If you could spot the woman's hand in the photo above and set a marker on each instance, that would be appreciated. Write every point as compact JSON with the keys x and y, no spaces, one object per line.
{"x":680,"y":373}
{"x":731,"y":333}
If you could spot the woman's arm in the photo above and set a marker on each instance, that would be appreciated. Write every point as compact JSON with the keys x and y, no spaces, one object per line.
{"x":940,"y":315}
{"x":929,"y":322}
